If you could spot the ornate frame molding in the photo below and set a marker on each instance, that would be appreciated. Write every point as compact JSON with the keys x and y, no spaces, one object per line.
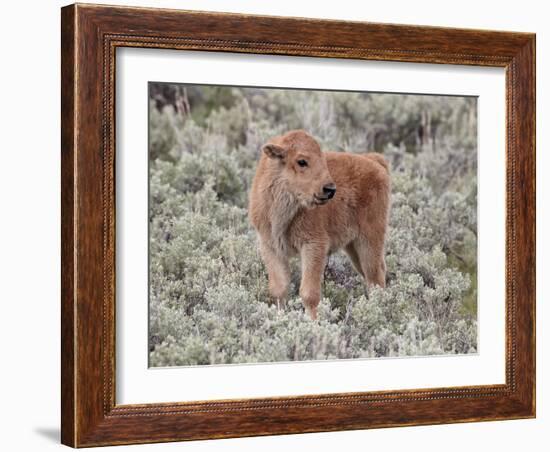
{"x":90,"y":37}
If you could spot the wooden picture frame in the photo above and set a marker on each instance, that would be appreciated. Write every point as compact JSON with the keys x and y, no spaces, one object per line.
{"x":90,"y":35}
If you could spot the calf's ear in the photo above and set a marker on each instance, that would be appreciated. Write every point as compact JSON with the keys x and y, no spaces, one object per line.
{"x":274,"y":151}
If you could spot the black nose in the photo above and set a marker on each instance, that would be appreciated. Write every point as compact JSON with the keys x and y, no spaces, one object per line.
{"x":329,"y":190}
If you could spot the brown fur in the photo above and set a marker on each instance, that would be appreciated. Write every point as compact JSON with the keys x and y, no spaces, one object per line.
{"x":289,"y":210}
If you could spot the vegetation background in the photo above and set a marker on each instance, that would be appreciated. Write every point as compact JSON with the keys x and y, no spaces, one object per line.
{"x":208,"y":286}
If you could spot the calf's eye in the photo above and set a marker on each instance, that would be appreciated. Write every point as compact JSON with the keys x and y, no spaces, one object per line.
{"x":302,"y":163}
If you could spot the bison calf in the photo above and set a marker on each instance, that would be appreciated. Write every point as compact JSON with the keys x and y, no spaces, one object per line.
{"x":311,"y":203}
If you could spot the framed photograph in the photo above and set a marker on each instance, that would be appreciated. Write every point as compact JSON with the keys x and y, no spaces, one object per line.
{"x":282,"y":225}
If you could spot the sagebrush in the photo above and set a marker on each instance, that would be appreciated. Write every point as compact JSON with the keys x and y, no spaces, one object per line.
{"x":208,"y":286}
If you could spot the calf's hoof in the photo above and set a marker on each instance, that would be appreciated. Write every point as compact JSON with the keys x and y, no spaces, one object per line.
{"x":311,"y":311}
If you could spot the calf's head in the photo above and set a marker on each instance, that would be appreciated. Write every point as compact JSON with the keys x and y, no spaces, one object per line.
{"x":302,"y":167}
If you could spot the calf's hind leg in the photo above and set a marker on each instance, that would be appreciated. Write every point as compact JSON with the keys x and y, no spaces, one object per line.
{"x":370,"y":252}
{"x":369,"y":246}
{"x":354,"y":258}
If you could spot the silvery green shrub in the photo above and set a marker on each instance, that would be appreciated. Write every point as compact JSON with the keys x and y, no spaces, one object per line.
{"x":208,"y":286}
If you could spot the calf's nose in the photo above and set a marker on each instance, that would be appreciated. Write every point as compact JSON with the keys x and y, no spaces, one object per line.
{"x":329,"y":190}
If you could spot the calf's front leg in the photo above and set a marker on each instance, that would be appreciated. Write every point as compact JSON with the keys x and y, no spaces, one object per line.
{"x":278,"y":272}
{"x":314,"y":259}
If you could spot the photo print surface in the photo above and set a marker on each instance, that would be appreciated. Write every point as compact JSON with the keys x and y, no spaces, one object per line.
{"x":299,"y":225}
